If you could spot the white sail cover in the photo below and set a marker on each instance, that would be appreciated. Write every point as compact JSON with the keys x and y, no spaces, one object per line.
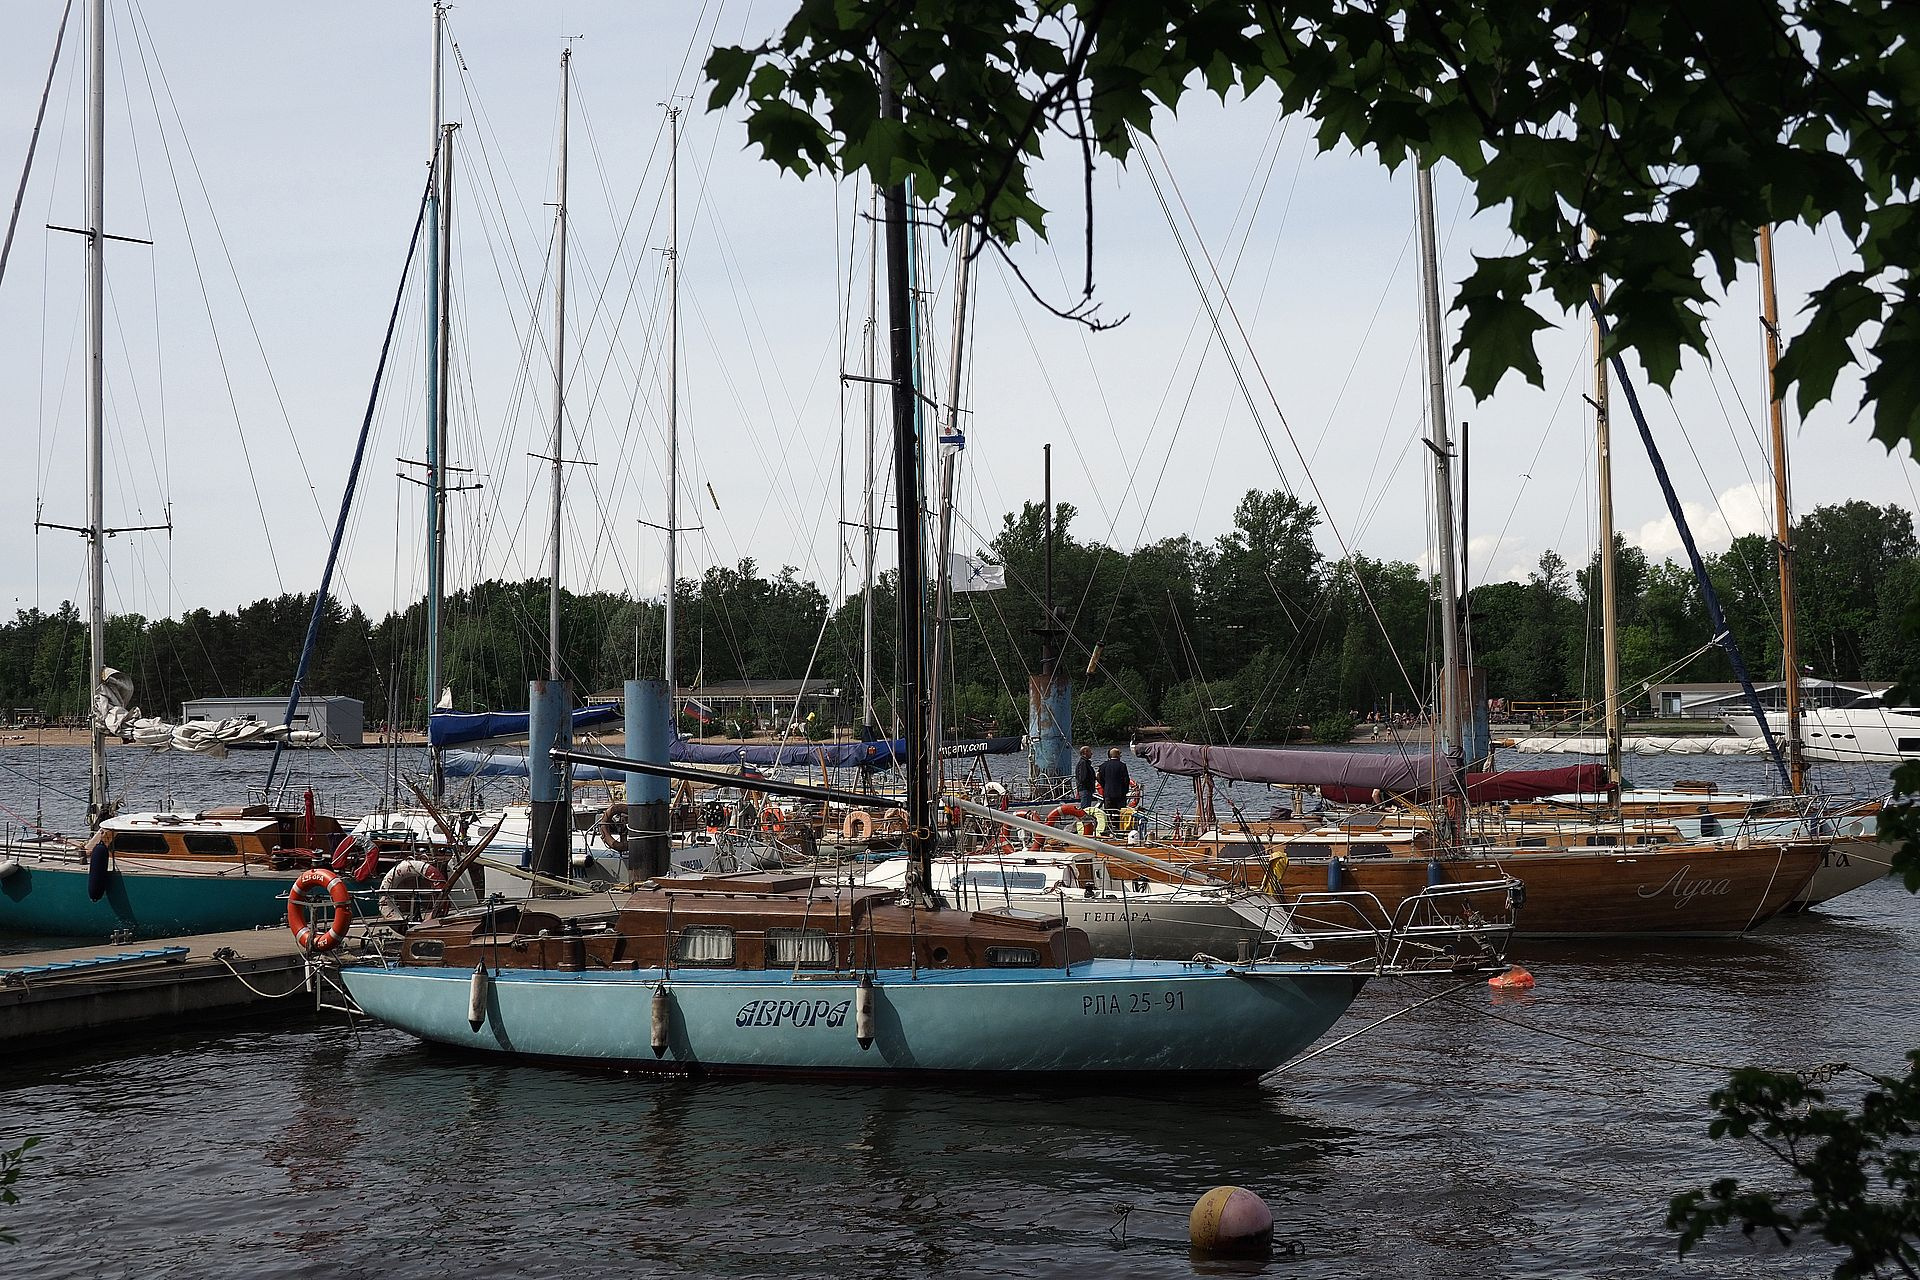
{"x":113,"y":711}
{"x":1641,"y":746}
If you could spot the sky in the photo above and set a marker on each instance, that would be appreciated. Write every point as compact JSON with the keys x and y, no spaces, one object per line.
{"x":275,"y":156}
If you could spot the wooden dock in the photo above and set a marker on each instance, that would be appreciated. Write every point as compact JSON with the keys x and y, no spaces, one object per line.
{"x":111,"y":990}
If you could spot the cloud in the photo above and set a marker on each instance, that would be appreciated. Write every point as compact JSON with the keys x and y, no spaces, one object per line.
{"x":1743,"y":509}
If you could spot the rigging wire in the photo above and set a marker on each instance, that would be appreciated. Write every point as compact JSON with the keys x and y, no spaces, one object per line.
{"x":1260,"y":424}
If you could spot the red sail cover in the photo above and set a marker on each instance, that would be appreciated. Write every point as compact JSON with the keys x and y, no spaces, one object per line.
{"x":1351,"y":777}
{"x":1532,"y":784}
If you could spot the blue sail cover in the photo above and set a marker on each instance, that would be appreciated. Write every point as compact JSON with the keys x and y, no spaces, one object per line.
{"x":835,"y":755}
{"x":450,"y":728}
{"x":838,"y":755}
{"x":513,"y":764}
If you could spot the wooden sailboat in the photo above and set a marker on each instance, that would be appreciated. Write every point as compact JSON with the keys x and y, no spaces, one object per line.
{"x":1606,"y":880}
{"x":764,"y":975}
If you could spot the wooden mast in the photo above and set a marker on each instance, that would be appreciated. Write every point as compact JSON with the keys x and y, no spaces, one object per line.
{"x":1612,"y":713}
{"x":1782,"y":518}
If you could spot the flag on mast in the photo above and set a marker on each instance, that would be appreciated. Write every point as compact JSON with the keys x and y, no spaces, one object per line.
{"x":965,"y":573}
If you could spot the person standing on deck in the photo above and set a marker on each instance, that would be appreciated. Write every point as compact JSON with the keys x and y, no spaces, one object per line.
{"x":1114,"y":781}
{"x":1083,"y":783}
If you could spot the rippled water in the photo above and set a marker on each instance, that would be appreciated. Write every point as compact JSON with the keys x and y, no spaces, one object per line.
{"x":1538,"y":1134}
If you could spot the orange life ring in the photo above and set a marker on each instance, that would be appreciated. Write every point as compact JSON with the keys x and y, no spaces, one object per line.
{"x":1081,"y":825}
{"x":336,"y":886}
{"x":343,"y":853}
{"x":858,"y":826}
{"x":613,"y":827}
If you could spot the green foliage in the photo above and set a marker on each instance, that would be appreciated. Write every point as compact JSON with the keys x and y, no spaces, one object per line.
{"x":1671,"y":133}
{"x":1857,"y":1170}
{"x":1334,"y":728}
{"x":12,"y":1163}
{"x":1253,"y":637}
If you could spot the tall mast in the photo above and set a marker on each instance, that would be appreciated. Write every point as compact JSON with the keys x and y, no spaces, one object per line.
{"x":906,"y":470}
{"x":1612,"y":712}
{"x":437,"y":548}
{"x":869,"y":534}
{"x":1782,"y":518}
{"x":97,"y":805}
{"x":559,"y":378}
{"x":1452,"y":714}
{"x":673,"y":389}
{"x":437,"y":351}
{"x":952,"y":441}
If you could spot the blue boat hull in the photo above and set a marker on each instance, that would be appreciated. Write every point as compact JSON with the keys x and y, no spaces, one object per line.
{"x":1105,"y":1018}
{"x":47,"y":898}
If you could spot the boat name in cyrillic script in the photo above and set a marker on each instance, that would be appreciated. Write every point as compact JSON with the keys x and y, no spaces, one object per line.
{"x":792,"y":1013}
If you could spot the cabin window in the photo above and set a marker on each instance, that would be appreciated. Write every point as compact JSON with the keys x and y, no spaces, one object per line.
{"x":1909,"y":745}
{"x":210,"y":842}
{"x":1603,"y":840}
{"x":799,"y":948}
{"x":705,"y":944}
{"x":1012,"y":958}
{"x":1531,"y":842}
{"x":426,"y":950}
{"x":1035,"y":881}
{"x":139,"y":842}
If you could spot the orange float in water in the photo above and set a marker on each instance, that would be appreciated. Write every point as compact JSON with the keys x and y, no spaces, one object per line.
{"x":1514,"y":979}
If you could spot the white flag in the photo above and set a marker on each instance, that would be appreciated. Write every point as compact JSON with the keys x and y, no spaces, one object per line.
{"x":964,"y":573}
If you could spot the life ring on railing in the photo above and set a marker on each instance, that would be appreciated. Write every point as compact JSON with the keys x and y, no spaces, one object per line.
{"x":614,"y":832}
{"x":895,"y":820}
{"x":337,"y":891}
{"x":408,"y":890}
{"x":858,"y":826}
{"x":1275,"y":878}
{"x":343,"y":854}
{"x":1081,"y":825}
{"x":1133,"y":794}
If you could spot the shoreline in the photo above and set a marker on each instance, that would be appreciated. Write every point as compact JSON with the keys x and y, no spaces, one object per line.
{"x":82,"y":738}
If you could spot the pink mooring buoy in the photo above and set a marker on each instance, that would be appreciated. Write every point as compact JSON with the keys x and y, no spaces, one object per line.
{"x":1231,"y":1222}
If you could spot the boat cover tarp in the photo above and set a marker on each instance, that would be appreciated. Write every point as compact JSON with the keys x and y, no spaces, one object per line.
{"x":450,"y":728}
{"x":1362,"y":771}
{"x":1352,"y":777}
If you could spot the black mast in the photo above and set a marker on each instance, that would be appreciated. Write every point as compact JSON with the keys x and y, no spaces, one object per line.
{"x":907,"y":470}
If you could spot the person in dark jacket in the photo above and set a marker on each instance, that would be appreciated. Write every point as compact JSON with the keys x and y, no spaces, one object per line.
{"x":1114,"y":781}
{"x":1083,"y":781}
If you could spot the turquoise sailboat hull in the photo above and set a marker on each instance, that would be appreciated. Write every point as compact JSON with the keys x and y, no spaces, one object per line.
{"x":44,"y":898}
{"x":1134,"y":1018}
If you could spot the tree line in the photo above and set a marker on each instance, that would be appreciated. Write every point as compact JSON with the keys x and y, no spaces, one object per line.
{"x":1254,"y":636}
